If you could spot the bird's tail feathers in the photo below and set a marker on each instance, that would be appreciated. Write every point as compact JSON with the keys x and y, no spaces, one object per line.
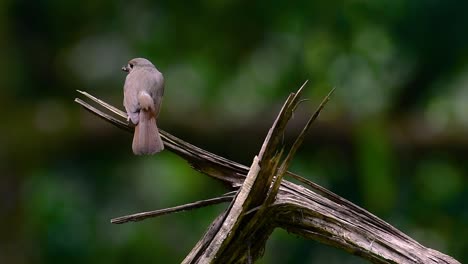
{"x":146,"y":139}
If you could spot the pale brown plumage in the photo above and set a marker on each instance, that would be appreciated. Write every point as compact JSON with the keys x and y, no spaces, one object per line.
{"x":143,"y":93}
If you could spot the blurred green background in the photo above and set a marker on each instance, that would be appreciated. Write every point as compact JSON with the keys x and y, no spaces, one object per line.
{"x":392,"y":140}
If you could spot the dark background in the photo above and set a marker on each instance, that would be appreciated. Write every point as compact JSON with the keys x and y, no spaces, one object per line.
{"x":392,"y":140}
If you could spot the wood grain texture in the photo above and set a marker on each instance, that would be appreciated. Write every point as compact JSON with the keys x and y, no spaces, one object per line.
{"x":239,"y":234}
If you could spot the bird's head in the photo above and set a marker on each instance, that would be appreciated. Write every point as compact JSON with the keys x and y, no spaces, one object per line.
{"x":137,"y":63}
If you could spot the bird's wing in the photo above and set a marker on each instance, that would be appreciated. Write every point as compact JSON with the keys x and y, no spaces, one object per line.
{"x":158,"y":91}
{"x":131,"y":88}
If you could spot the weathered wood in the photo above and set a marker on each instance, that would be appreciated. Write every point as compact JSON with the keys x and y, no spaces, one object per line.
{"x":242,"y":235}
{"x":190,"y":206}
{"x":312,"y":212}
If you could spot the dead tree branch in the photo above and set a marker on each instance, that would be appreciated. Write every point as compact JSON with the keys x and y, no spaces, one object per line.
{"x":264,"y":201}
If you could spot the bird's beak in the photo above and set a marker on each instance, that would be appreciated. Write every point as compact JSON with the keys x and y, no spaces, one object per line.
{"x":125,"y":68}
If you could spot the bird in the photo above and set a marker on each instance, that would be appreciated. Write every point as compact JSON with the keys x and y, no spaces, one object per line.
{"x":143,"y":94}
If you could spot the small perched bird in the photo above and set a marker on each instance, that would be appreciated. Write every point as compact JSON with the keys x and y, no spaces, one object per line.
{"x":143,"y":93}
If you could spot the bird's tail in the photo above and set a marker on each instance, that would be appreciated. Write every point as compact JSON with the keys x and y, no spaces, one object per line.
{"x":146,"y":139}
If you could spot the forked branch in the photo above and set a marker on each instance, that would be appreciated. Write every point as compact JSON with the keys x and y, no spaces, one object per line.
{"x":264,"y":201}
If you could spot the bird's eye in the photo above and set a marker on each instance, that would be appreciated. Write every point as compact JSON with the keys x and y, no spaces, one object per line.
{"x":130,"y":65}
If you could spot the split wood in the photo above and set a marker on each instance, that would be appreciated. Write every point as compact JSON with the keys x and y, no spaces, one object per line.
{"x":261,"y":200}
